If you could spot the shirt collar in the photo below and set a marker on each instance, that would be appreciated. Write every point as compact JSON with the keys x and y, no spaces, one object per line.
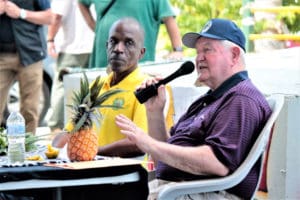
{"x":126,"y":81}
{"x":225,"y":86}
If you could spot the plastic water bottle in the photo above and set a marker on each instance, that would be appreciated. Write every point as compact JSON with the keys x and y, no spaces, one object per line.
{"x":16,"y":138}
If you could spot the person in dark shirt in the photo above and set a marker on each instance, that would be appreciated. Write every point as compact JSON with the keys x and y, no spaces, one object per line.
{"x":22,"y":50}
{"x":215,"y":134}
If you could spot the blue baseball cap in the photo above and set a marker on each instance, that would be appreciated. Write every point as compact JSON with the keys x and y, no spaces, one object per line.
{"x":219,"y":29}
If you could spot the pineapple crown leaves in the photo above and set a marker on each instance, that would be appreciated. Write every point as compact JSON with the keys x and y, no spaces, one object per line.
{"x":80,"y":123}
{"x":96,"y":117}
{"x":87,"y":99}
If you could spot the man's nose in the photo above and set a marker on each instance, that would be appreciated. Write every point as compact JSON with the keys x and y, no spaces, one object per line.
{"x":120,"y":47}
{"x":200,"y":56}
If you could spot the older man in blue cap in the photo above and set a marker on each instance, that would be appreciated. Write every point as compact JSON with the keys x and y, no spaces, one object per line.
{"x":217,"y":131}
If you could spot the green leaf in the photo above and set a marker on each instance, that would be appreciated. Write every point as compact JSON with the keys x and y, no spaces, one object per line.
{"x":87,"y":99}
{"x":103,"y":97}
{"x":79,"y":124}
{"x":96,"y":117}
{"x":95,"y":88}
{"x":30,"y":138}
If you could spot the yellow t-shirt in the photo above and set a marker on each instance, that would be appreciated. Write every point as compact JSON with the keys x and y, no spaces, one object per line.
{"x":109,"y":132}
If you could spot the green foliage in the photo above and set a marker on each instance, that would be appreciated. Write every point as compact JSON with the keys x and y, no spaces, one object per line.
{"x":193,"y":14}
{"x":292,"y":20}
{"x":3,"y":141}
{"x":31,"y":140}
{"x":263,"y":25}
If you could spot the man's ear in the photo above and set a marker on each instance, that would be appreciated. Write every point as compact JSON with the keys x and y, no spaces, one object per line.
{"x":236,"y":51}
{"x":142,"y":53}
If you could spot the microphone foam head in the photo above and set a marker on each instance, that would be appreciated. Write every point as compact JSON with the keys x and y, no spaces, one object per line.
{"x":187,"y":67}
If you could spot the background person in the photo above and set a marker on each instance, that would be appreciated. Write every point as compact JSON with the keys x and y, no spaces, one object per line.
{"x":149,"y":13}
{"x":217,"y":131}
{"x":70,"y":42}
{"x":22,"y":49}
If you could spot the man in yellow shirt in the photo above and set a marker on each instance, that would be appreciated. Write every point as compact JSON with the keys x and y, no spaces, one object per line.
{"x":111,"y":141}
{"x":125,"y":47}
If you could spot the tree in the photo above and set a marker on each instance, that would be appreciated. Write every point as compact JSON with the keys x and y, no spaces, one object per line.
{"x":292,"y":20}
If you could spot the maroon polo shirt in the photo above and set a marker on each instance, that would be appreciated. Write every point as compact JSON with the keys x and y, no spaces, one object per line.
{"x":227,"y":119}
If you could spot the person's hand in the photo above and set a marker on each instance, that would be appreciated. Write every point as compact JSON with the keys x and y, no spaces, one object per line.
{"x":51,"y":50}
{"x":134,"y":133}
{"x":155,"y":103}
{"x":60,"y":139}
{"x":175,"y":55}
{"x":2,"y":6}
{"x":12,"y":10}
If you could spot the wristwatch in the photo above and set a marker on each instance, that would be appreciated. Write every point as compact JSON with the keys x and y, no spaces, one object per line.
{"x":23,"y":14}
{"x":180,"y":49}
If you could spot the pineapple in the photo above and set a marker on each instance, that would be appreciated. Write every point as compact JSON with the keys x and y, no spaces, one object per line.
{"x":83,"y":143}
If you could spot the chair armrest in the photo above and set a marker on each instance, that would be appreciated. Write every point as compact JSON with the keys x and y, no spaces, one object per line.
{"x":173,"y":190}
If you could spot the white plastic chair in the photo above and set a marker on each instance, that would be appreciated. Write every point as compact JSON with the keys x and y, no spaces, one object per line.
{"x":170,"y":192}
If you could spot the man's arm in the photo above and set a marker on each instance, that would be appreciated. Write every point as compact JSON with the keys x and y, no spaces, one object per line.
{"x":199,"y":160}
{"x":87,"y":15}
{"x":120,"y":148}
{"x":174,"y":34}
{"x":36,"y":17}
{"x":155,"y":107}
{"x":52,"y":31}
{"x":156,"y":124}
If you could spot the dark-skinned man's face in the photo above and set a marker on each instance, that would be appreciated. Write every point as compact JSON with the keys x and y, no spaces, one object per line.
{"x":124,"y":47}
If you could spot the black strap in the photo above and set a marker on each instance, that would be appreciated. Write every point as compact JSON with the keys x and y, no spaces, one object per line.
{"x":107,"y":8}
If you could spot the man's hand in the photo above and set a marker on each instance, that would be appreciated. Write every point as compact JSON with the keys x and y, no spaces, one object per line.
{"x":156,"y":103}
{"x":175,"y":56}
{"x":51,"y":50}
{"x":133,"y":132}
{"x":2,"y":6}
{"x":12,"y":10}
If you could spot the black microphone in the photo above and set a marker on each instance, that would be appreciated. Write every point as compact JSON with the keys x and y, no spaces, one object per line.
{"x":144,"y":94}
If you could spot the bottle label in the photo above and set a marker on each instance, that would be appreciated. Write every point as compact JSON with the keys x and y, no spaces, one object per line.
{"x":15,"y":129}
{"x":16,"y":140}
